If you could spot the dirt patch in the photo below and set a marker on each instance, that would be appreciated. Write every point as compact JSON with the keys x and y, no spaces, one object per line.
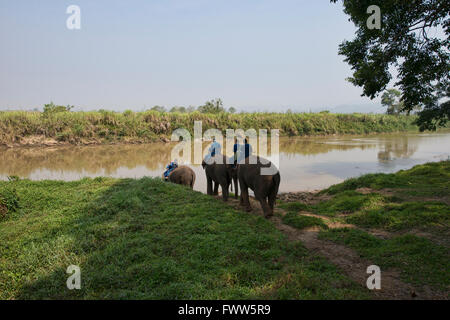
{"x":384,"y":192}
{"x":346,"y":259}
{"x":304,"y":197}
{"x":3,"y":210}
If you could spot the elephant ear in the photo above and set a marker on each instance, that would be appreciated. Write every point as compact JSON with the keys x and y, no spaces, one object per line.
{"x":203,"y":164}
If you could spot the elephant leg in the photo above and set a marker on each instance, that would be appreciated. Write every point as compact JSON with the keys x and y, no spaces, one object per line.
{"x":272,"y":199}
{"x":236,"y":188}
{"x":244,"y":199}
{"x":216,"y":188}
{"x":268,"y":211}
{"x":209,"y":186}
{"x":225,"y":192}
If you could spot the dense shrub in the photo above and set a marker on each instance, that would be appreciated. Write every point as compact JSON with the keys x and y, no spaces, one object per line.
{"x":9,"y":200}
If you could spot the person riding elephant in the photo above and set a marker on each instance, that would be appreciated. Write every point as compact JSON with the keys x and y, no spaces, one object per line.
{"x":170,"y":167}
{"x":214,"y":149}
{"x":261,"y":176}
{"x":220,"y":173}
{"x":182,"y":175}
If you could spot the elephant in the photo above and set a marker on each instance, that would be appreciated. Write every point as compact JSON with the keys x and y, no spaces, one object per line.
{"x":183,"y":175}
{"x":265,"y":187}
{"x":219,"y":173}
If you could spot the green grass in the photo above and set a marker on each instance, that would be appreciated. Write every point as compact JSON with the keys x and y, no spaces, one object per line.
{"x":293,"y":206}
{"x":415,"y":198}
{"x":431,"y":179}
{"x":145,"y":239}
{"x":419,"y":260}
{"x":107,"y":126}
{"x":401,"y":216}
{"x":301,"y":222}
{"x":409,"y":200}
{"x":296,"y":220}
{"x":348,"y":202}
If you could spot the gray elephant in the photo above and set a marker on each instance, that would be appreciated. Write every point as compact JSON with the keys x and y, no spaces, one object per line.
{"x":220,"y":173}
{"x":183,"y":175}
{"x":264,"y":184}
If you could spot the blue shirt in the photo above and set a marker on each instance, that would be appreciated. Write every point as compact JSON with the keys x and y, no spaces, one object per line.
{"x":215,"y":148}
{"x":247,"y":150}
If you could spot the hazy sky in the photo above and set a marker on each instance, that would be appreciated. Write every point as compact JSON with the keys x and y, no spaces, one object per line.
{"x":254,"y":54}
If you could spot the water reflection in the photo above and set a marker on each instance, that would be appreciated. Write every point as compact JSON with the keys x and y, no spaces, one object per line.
{"x":305,"y":163}
{"x":399,"y":148}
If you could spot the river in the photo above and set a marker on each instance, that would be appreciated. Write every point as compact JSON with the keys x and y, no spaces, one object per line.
{"x":305,"y":163}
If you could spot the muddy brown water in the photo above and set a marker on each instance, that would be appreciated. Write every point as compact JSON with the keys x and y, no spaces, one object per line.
{"x":305,"y":163}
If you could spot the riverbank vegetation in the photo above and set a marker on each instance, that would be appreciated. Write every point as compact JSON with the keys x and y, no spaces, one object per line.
{"x":62,"y":126}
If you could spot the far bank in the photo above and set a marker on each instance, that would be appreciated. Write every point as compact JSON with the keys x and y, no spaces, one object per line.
{"x":30,"y":128}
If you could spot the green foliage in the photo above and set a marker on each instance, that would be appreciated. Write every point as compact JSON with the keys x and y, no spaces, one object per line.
{"x":51,"y":108}
{"x":409,"y":40}
{"x":420,"y":260}
{"x":158,"y":109}
{"x":108,"y":126}
{"x":178,"y":109}
{"x":9,"y":200}
{"x":390,"y":99}
{"x":213,"y":106}
{"x":146,"y":239}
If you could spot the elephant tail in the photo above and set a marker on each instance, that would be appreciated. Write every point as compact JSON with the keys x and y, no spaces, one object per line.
{"x":193,"y":180}
{"x":276,"y":181}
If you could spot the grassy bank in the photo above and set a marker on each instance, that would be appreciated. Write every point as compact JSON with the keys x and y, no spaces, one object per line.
{"x":398,"y":221}
{"x":34,"y":128}
{"x":145,"y":239}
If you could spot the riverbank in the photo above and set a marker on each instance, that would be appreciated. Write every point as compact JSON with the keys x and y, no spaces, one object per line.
{"x":145,"y":239}
{"x":23,"y":128}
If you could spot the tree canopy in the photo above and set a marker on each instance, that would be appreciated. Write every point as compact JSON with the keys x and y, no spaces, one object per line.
{"x":213,"y":106}
{"x":413,"y":38}
{"x":391,"y":99}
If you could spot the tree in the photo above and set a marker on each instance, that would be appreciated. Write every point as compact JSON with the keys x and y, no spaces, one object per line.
{"x":405,"y":42}
{"x":232,"y":110}
{"x":159,"y":109}
{"x":391,"y":100}
{"x":213,"y":106}
{"x":51,"y":108}
{"x":190,"y":109}
{"x":178,"y":109}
